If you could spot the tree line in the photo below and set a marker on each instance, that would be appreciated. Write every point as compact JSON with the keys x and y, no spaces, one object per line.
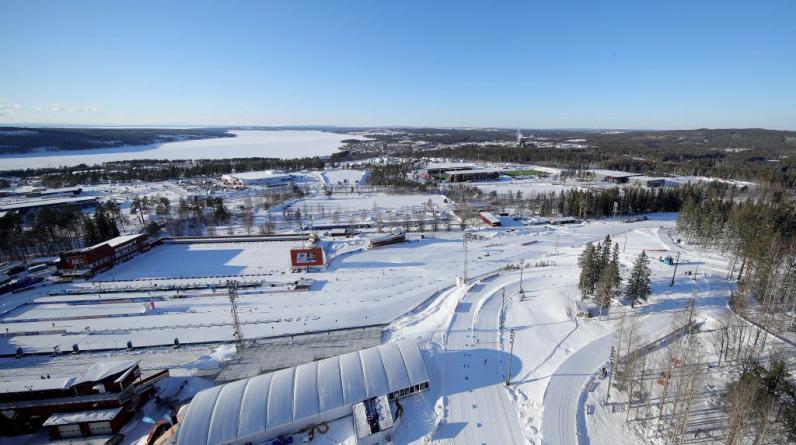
{"x":159,"y":170}
{"x":54,"y":229}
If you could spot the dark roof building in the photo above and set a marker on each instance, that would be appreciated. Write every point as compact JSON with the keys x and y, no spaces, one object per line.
{"x":110,"y":391}
{"x":472,"y":175}
{"x":33,"y":205}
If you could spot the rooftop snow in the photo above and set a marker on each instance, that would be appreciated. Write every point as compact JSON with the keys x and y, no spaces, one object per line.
{"x":265,"y":174}
{"x":99,"y":371}
{"x":612,"y":173}
{"x":35,"y":385}
{"x":102,"y":415}
{"x":32,"y":203}
{"x":119,"y":240}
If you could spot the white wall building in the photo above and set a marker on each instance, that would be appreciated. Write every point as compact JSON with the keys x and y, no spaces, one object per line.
{"x":266,"y":178}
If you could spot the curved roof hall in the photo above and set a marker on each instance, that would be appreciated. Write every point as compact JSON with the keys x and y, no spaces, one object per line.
{"x":281,"y":402}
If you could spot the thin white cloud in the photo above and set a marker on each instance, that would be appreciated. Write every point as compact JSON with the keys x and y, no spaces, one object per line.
{"x":74,"y":109}
{"x":8,"y":109}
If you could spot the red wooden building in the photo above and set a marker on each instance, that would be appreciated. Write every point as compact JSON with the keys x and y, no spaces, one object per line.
{"x":102,"y":256}
{"x":114,"y":388}
{"x":489,"y":219}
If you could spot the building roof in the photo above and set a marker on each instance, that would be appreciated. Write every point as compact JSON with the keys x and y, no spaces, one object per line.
{"x":113,"y":242}
{"x":34,"y":203}
{"x":119,"y":240}
{"x":15,"y":386}
{"x":253,"y":176}
{"x":99,"y":371}
{"x":448,"y":165}
{"x":474,"y":171}
{"x":255,"y":408}
{"x":647,"y":178}
{"x":101,"y":415}
{"x":612,"y":173}
{"x":490,"y":217}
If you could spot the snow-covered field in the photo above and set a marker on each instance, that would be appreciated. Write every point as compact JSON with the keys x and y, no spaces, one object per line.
{"x":359,"y":287}
{"x":245,"y":144}
{"x":412,"y":287}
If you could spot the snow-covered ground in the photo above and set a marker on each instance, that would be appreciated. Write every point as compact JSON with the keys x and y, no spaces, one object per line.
{"x":555,"y":352}
{"x":413,"y":287}
{"x":359,"y":287}
{"x":245,"y":144}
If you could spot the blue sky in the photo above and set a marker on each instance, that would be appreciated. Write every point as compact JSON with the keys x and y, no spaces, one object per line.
{"x":531,"y":64}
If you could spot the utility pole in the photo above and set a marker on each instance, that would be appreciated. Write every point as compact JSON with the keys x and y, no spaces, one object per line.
{"x":610,"y":373}
{"x":676,"y":262}
{"x":511,"y":357}
{"x":624,"y":246}
{"x":232,"y":288}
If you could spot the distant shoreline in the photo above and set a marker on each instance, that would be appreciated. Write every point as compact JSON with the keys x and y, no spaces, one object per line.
{"x":284,"y":144}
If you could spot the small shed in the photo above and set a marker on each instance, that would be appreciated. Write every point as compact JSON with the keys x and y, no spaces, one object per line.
{"x":87,"y":423}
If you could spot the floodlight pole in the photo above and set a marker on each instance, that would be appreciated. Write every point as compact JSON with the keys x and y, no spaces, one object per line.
{"x":503,"y":310}
{"x":676,"y":262}
{"x":232,"y":288}
{"x":464,"y":239}
{"x":511,"y":357}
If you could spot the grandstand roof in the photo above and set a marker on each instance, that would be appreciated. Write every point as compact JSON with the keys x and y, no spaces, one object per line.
{"x":263,"y":407}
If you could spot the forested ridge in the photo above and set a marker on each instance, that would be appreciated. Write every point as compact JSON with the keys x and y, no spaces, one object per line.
{"x":767,"y":157}
{"x":22,"y":140}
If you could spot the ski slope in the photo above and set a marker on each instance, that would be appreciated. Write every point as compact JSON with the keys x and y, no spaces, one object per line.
{"x":477,"y":408}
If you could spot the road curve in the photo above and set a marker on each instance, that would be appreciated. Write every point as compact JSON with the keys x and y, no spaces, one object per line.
{"x":561,"y":399}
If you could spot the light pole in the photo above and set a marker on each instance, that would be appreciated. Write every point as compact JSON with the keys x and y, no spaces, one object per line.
{"x":522,"y":268}
{"x":511,"y":357}
{"x":674,"y":274}
{"x":464,"y":238}
{"x":503,"y":310}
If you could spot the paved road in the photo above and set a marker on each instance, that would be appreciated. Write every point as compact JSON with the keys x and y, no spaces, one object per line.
{"x":478,"y":409}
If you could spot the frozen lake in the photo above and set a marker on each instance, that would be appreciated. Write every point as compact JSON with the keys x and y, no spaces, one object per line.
{"x":246,"y":144}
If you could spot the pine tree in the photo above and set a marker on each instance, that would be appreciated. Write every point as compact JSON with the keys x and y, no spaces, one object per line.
{"x":605,"y":252}
{"x":605,"y":290}
{"x":609,"y":282}
{"x":616,"y":277}
{"x":586,"y":261}
{"x":638,"y":287}
{"x":90,"y":236}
